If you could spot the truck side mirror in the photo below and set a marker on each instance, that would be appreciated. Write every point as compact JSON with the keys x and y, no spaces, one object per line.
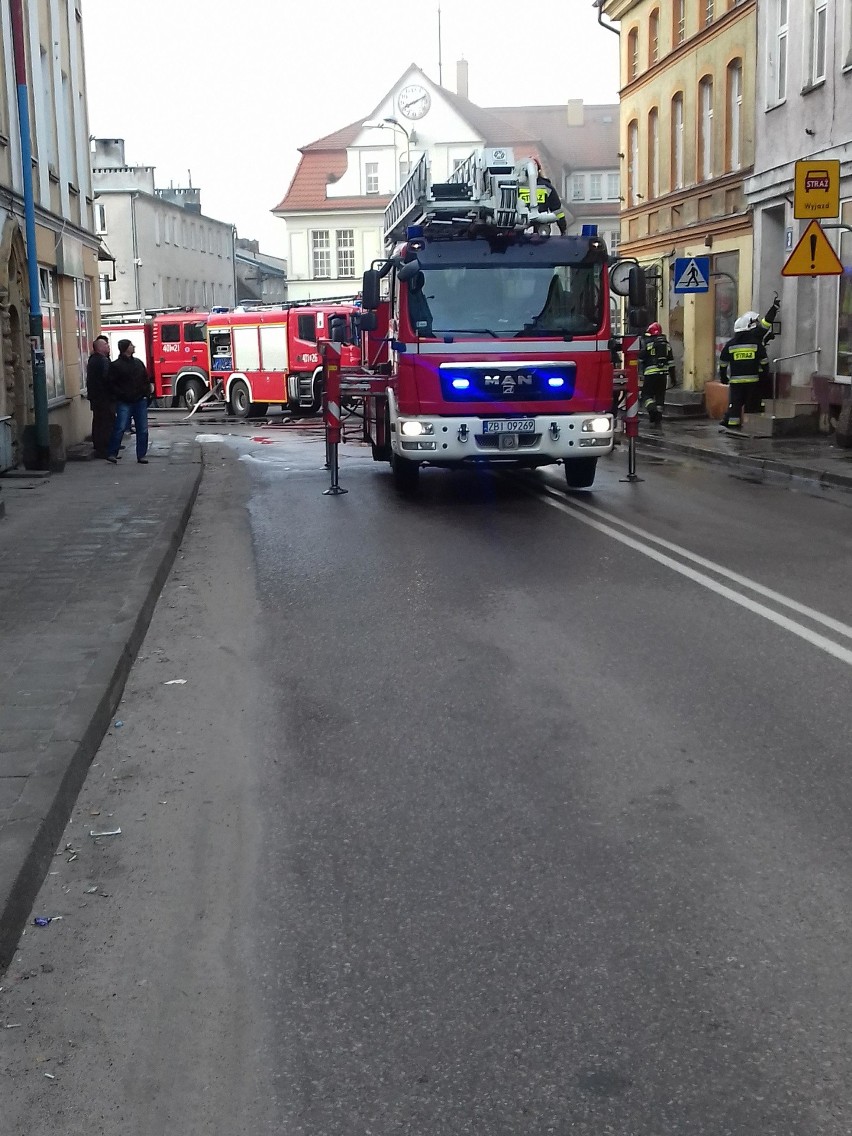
{"x":637,"y":320}
{"x":367,"y":321}
{"x":409,"y":270}
{"x":337,"y":329}
{"x":370,"y":297}
{"x":637,"y":288}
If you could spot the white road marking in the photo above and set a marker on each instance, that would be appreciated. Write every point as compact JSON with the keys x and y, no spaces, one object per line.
{"x":743,"y":581}
{"x":813,"y":637}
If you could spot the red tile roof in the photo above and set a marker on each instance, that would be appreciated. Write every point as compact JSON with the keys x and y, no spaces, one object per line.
{"x":541,"y":131}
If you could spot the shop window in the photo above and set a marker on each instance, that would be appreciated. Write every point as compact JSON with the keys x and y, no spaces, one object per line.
{"x":53,"y":362}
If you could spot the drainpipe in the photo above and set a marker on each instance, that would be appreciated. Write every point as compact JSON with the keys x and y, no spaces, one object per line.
{"x":138,"y":298}
{"x":36,"y":323}
{"x":609,"y":27}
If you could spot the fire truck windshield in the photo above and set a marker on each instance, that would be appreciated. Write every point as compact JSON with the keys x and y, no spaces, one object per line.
{"x":507,"y":300}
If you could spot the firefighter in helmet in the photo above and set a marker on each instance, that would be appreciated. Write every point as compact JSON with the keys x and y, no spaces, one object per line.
{"x":744,"y":364}
{"x":547,"y":198}
{"x":656,"y":361}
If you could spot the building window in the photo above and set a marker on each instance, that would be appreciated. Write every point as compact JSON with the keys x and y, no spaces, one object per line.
{"x":777,"y":84}
{"x":654,"y":37}
{"x":612,"y":187}
{"x":346,"y":253}
{"x":818,"y":32}
{"x":405,"y":168}
{"x":614,"y":239}
{"x":320,"y":254}
{"x":677,"y":142}
{"x":100,"y":218}
{"x":578,"y":187}
{"x":734,"y":113}
{"x":53,"y":366}
{"x":83,"y":308}
{"x":679,"y":22}
{"x":633,"y":54}
{"x":705,"y":129}
{"x":104,"y":288}
{"x":595,"y":187}
{"x":371,"y":177}
{"x":654,"y":153}
{"x":633,"y":163}
{"x":708,"y":12}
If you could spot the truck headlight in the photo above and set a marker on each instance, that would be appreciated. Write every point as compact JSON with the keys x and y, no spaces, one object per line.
{"x":597,"y":425}
{"x":413,"y":429}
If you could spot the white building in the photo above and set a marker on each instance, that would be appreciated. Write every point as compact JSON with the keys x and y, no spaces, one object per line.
{"x":334,"y":205}
{"x":66,"y":246}
{"x":167,"y":253}
{"x":804,"y":111}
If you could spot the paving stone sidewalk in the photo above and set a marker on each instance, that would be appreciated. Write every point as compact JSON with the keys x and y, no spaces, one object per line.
{"x":83,"y":557}
{"x":816,"y":460}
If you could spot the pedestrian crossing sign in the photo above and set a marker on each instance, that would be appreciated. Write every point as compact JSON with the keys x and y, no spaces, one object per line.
{"x":813,"y":255}
{"x":692,"y":274}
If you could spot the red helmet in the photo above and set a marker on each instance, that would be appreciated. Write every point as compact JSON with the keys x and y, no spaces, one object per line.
{"x":654,"y":329}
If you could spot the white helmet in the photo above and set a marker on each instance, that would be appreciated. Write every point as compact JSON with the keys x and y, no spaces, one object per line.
{"x":747,"y":321}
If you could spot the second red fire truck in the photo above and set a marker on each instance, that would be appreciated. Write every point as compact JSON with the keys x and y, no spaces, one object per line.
{"x":252,"y":359}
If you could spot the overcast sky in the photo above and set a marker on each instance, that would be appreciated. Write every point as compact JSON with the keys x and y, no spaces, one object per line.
{"x":229,"y":89}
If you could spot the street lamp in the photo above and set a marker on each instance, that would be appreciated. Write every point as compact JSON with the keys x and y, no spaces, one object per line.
{"x":394,"y":124}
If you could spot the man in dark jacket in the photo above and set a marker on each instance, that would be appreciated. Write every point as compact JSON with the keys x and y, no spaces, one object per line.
{"x":130,"y":387}
{"x":100,"y":396}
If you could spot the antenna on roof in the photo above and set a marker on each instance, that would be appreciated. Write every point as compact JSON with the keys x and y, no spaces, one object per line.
{"x":440,"y":54}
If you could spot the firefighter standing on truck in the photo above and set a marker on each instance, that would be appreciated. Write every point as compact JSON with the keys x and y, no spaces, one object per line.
{"x":656,"y":361}
{"x":547,"y":199}
{"x":744,"y":365}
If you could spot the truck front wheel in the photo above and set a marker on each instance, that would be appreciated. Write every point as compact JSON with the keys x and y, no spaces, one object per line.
{"x":580,"y":472}
{"x":240,"y":400}
{"x":406,"y":474}
{"x":192,"y":392}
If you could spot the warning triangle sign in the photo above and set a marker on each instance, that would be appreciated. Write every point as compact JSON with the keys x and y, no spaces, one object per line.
{"x":692,"y":277}
{"x":813,"y":255}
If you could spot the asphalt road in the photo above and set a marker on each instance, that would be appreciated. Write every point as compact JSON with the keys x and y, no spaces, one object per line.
{"x":502,"y":811}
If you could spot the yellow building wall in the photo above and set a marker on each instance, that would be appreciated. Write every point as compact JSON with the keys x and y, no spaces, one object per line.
{"x":703,"y":218}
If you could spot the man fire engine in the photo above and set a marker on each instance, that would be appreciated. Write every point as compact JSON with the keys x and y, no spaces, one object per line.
{"x":487,"y":341}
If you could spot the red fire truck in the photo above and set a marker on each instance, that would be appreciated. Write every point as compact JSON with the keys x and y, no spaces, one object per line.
{"x":173,"y":346}
{"x":251,"y":368}
{"x":269,"y":356}
{"x":485,"y":340}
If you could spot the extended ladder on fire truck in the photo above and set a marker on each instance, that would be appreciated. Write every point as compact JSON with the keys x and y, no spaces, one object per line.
{"x":484,"y":190}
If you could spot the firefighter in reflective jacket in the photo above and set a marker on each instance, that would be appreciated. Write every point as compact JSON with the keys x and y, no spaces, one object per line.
{"x":656,"y":361}
{"x":744,"y":364}
{"x":547,"y":199}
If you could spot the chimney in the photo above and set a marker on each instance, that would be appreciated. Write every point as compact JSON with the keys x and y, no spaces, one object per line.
{"x":575,"y":112}
{"x":461,"y":78}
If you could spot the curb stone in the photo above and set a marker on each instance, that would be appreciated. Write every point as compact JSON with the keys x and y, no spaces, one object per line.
{"x":47,"y":801}
{"x":775,"y":468}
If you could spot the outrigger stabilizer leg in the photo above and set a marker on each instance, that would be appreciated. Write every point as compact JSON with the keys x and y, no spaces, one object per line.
{"x":333,"y":423}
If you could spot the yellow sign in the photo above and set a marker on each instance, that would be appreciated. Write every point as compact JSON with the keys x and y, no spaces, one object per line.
{"x":813,"y":255}
{"x":817,"y":189}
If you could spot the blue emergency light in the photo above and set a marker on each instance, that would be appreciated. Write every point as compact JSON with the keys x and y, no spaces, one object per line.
{"x":590,"y":231}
